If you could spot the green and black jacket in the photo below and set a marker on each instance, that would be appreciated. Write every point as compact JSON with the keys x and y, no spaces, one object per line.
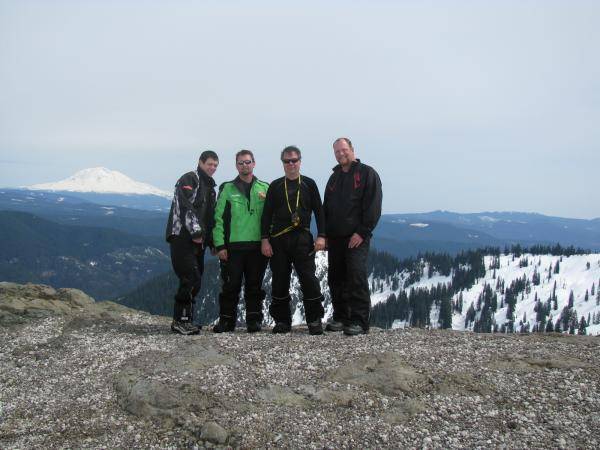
{"x":237,"y":217}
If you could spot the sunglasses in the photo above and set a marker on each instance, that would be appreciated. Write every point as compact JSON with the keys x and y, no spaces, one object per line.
{"x":290,"y":161}
{"x":247,"y":162}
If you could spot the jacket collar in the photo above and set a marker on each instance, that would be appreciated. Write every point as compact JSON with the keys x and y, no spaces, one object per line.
{"x":203,"y":176}
{"x":338,"y":168}
{"x":238,"y":182}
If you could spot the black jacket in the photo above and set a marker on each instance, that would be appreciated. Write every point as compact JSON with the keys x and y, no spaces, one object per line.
{"x":193,"y":207}
{"x":352,"y":201}
{"x":276,"y":215}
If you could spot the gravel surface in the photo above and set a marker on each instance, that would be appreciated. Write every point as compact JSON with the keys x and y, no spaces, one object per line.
{"x":75,"y":381}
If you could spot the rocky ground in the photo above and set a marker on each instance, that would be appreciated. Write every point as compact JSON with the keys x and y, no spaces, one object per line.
{"x":79,"y":374}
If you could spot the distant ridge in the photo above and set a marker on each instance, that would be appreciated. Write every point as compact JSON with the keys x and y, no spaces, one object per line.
{"x":101,"y":180}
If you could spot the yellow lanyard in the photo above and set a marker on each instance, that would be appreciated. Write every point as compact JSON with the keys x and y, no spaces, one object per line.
{"x":291,"y":227}
{"x":287,"y":200}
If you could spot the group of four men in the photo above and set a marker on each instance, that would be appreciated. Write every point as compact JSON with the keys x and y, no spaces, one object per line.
{"x":252,"y":223}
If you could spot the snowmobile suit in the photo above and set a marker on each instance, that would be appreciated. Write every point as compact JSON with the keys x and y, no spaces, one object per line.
{"x":352,"y":204}
{"x":191,"y":217}
{"x":237,"y":229}
{"x":293,"y":247}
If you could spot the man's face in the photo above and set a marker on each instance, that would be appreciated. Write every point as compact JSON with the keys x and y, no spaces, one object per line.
{"x":291,"y":164}
{"x":209,"y":166}
{"x":244,"y":165}
{"x":344,"y":154}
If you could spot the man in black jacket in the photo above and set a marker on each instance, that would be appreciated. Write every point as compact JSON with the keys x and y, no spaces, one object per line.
{"x":352,"y":209}
{"x":287,"y":240}
{"x":189,"y":232}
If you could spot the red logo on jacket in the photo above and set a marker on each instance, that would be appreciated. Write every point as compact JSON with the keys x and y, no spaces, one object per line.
{"x":356,"y":179}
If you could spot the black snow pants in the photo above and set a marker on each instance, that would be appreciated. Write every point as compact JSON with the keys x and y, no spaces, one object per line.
{"x":187,"y":259}
{"x":294,"y":248}
{"x":348,"y":283}
{"x":249,"y":265}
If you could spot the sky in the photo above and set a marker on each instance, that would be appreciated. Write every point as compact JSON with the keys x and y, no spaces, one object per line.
{"x":464,"y":106}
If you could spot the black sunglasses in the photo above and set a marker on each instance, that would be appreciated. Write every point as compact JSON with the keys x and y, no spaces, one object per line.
{"x":246,"y":162}
{"x":290,"y":161}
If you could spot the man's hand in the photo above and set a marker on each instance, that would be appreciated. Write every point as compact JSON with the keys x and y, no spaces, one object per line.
{"x":265,"y":248}
{"x":355,"y":240}
{"x":319,"y":244}
{"x":222,"y":254}
{"x":198,"y":240}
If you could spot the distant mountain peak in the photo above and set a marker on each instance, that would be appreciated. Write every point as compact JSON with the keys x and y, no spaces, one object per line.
{"x":101,"y":180}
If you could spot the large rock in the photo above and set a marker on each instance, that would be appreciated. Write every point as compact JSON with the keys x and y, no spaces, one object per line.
{"x":22,"y":302}
{"x":213,"y":432}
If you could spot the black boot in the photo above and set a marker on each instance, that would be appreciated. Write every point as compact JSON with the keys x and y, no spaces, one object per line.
{"x":224,"y":326}
{"x":182,"y":323}
{"x":315,"y":328}
{"x":282,"y":327}
{"x":253,"y":326}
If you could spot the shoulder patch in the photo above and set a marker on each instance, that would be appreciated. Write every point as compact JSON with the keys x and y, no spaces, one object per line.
{"x":187,"y":187}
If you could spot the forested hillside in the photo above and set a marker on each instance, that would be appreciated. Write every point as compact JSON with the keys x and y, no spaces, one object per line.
{"x":480,"y":290}
{"x":101,"y":261}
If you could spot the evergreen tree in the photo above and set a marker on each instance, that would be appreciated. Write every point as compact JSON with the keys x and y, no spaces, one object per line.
{"x":587,"y":297}
{"x":524,"y":262}
{"x":446,"y":313}
{"x":593,"y":289}
{"x":571,"y":299}
{"x":470,"y":316}
{"x":557,"y":267}
{"x":582,"y":326}
{"x":549,"y":327}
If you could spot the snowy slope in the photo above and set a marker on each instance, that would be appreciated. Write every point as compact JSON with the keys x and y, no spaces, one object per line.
{"x":101,"y":180}
{"x":573,"y":275}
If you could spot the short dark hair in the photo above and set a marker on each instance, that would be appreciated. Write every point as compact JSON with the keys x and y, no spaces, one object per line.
{"x":290,"y":149}
{"x":206,"y":154}
{"x":345,"y":139}
{"x":244,"y":152}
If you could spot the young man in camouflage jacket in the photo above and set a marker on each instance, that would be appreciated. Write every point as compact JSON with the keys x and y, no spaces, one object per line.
{"x":189,"y":232}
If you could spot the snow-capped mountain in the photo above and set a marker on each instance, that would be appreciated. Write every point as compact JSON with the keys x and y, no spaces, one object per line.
{"x":101,"y":180}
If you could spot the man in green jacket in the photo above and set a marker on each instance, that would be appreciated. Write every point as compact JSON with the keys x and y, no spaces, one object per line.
{"x":236,"y":238}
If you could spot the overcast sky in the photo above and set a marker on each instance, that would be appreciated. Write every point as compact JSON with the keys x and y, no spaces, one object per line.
{"x":459,"y":105}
